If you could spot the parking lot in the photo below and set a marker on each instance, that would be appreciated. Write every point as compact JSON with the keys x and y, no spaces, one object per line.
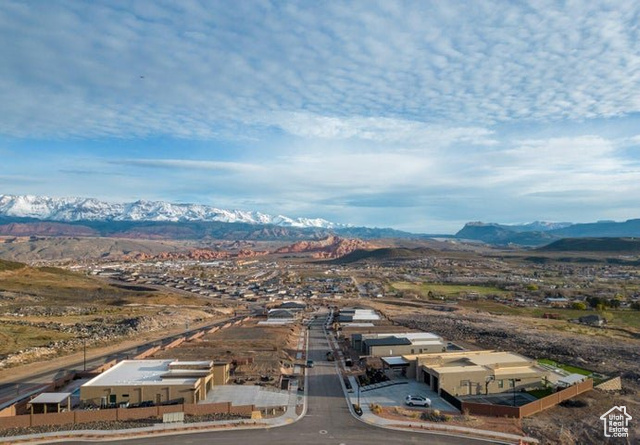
{"x":394,"y":396}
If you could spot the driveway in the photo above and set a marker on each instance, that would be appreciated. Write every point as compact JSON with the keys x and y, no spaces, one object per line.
{"x":394,"y":396}
{"x":261,"y":397}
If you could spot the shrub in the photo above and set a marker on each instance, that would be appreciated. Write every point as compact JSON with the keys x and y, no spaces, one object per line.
{"x":435,"y":416}
{"x":375,"y":408}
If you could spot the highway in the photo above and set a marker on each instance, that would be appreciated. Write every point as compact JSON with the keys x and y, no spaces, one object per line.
{"x":328,"y":419}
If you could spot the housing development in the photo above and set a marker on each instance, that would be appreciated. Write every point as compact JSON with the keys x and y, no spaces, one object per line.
{"x":418,"y":337}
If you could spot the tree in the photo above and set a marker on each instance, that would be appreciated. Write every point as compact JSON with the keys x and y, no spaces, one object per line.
{"x":578,"y":305}
{"x":635,"y":305}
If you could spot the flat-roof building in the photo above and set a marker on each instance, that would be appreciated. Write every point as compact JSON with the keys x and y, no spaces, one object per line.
{"x":155,"y":381}
{"x":476,"y":372}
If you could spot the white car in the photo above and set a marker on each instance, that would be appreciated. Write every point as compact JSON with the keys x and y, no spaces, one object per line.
{"x":417,"y":401}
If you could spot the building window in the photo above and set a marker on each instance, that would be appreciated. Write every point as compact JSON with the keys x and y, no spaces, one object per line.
{"x":500,"y":383}
{"x":511,"y":383}
{"x":125,"y":395}
{"x":464,"y":383}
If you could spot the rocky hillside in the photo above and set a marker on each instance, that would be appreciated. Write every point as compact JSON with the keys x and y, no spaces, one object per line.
{"x":330,"y":247}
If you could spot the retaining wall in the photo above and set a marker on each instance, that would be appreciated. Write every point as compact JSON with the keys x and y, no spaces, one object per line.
{"x":175,"y":343}
{"x":147,"y":353}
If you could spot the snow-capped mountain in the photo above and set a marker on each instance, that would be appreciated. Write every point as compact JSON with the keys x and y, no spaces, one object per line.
{"x":88,"y":209}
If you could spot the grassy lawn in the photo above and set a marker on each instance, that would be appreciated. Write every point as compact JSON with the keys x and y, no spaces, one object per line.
{"x":540,"y":393}
{"x":446,"y":290}
{"x":568,"y":368}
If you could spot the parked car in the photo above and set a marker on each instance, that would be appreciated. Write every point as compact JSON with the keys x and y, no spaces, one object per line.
{"x":412,"y":400}
{"x":309,"y":363}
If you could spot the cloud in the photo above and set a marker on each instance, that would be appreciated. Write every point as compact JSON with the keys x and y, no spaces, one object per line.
{"x":383,"y":130}
{"x":440,"y":111}
{"x":354,"y":70}
{"x":188,"y":164}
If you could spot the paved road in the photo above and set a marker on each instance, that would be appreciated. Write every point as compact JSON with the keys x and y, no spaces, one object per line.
{"x":328,"y":419}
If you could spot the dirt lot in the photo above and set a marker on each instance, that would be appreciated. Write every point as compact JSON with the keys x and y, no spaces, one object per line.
{"x":502,"y":424}
{"x":266,"y":347}
{"x":569,"y":426}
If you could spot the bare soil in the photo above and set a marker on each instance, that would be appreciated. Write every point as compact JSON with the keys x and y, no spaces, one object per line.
{"x":267,"y":348}
{"x":501,"y":424}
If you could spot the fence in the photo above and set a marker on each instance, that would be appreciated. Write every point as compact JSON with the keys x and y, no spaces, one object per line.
{"x":120,"y":414}
{"x":148,"y":353}
{"x":555,"y":398}
{"x":531,"y":408}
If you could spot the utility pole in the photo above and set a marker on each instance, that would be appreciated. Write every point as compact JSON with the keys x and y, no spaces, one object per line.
{"x":84,"y":353}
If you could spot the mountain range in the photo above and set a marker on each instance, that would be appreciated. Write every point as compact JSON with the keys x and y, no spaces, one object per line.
{"x":27,"y":215}
{"x":88,"y":209}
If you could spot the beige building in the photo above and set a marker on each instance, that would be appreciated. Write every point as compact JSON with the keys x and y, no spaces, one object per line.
{"x":155,"y":381}
{"x":476,"y":372}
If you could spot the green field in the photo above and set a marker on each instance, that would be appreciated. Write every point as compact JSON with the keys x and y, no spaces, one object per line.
{"x":446,"y":290}
{"x":622,"y":318}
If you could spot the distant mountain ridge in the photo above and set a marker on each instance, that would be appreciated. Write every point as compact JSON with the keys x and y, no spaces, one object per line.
{"x":89,"y":209}
{"x":540,"y":233}
{"x":608,"y":245}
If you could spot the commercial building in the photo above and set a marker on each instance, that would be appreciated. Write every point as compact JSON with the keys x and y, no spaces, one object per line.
{"x":154,"y":381}
{"x":476,"y":372}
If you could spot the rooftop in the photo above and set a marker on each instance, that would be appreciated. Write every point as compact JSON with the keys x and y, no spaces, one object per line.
{"x":51,"y":397}
{"x":138,"y":372}
{"x":387,"y":341}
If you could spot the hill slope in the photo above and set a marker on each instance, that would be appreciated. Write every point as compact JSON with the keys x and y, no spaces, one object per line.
{"x":610,"y":245}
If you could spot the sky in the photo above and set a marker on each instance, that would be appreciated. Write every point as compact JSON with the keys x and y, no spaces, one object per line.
{"x":415,"y":115}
